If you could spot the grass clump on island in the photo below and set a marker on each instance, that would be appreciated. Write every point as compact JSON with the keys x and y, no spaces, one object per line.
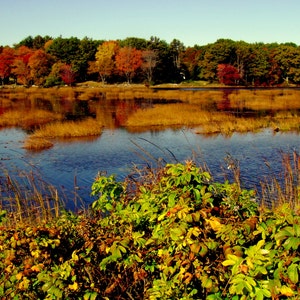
{"x":165,"y":233}
{"x":41,"y":138}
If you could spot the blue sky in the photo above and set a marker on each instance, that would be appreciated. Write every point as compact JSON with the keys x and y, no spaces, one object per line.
{"x":190,"y":21}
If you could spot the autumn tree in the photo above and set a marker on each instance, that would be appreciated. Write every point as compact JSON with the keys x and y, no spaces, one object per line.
{"x":105,"y":60}
{"x":150,"y":59}
{"x":128,"y":60}
{"x":6,"y":60}
{"x":21,"y":68}
{"x":68,"y":75}
{"x":228,"y":74}
{"x":190,"y":58}
{"x":40,"y":65}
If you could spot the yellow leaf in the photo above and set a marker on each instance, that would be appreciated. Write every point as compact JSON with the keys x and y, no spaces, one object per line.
{"x":19,"y":276}
{"x":214,"y":223}
{"x":73,"y":286}
{"x":37,"y":268}
{"x":286,"y":291}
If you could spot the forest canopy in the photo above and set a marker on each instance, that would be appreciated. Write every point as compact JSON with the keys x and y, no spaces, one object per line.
{"x":47,"y":61}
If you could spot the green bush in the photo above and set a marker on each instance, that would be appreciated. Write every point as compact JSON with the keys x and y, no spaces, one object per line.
{"x":170,"y":234}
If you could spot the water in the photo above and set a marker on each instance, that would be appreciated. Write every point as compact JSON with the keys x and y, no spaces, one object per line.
{"x":72,"y":166}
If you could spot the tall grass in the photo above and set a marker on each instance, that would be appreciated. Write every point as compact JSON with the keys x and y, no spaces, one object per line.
{"x":28,"y":198}
{"x":285,"y":186}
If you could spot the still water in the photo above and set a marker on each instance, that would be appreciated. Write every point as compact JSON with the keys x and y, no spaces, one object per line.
{"x":72,"y":166}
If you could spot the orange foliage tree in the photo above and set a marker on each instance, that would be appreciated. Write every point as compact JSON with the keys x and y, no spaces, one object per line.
{"x":40,"y":66}
{"x":128,"y":60}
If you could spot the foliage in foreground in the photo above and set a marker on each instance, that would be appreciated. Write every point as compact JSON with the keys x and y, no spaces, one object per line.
{"x":172,"y":234}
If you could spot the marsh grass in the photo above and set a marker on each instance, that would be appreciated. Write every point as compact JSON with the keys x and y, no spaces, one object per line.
{"x":266,"y":99}
{"x":68,"y":129}
{"x":284,"y":187}
{"x":65,"y":129}
{"x":27,"y":198}
{"x":191,"y":115}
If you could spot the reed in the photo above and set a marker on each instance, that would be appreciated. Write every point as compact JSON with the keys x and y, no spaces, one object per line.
{"x":27,"y":198}
{"x":284,"y":187}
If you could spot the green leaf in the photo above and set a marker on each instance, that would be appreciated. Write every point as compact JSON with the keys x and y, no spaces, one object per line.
{"x":292,"y":242}
{"x":293,"y":274}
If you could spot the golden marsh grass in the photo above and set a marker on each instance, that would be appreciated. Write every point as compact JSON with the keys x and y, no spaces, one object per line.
{"x":67,"y":129}
{"x":266,"y":99}
{"x":208,"y":122}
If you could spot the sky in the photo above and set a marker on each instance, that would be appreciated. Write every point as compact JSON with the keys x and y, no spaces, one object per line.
{"x":193,"y":22}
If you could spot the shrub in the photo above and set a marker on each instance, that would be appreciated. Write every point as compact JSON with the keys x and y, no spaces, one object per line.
{"x":172,"y":233}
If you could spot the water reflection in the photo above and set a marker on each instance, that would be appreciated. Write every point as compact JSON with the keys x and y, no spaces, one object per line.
{"x":72,"y":165}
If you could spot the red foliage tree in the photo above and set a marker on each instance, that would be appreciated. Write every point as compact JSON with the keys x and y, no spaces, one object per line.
{"x":67,"y":74}
{"x":128,"y":60}
{"x":6,"y":60}
{"x":228,"y":74}
{"x":21,"y":68}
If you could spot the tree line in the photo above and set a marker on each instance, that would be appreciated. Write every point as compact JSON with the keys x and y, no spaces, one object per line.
{"x":47,"y":61}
